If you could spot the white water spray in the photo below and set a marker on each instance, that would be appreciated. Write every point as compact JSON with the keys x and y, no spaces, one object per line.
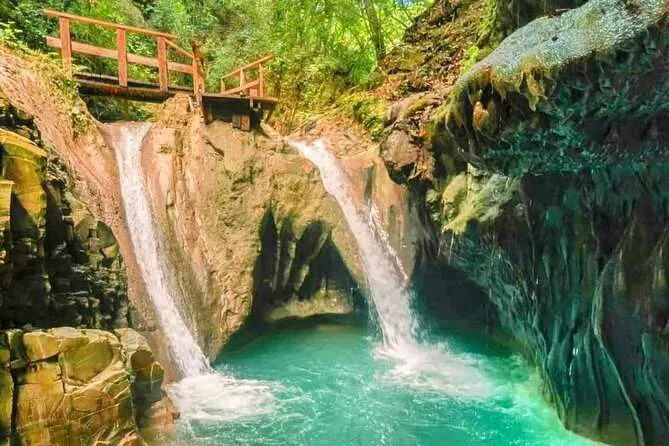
{"x":432,"y":367}
{"x":187,"y":355}
{"x":201,"y":394}
{"x":384,"y":273}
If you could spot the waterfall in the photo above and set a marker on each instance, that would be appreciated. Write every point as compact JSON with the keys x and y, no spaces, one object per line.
{"x":202,"y":394}
{"x":392,"y":302}
{"x":429,"y":366}
{"x":164,"y":294}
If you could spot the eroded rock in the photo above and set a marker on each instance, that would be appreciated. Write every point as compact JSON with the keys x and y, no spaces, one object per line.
{"x":84,"y":394}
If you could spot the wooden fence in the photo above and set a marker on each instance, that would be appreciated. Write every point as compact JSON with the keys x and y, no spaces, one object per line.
{"x":164,"y":43}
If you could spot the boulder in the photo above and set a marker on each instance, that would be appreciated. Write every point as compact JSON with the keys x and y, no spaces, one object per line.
{"x":72,"y":387}
{"x":148,"y":373}
{"x":90,"y":354}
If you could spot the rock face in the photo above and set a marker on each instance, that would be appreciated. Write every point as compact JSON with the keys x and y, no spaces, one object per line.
{"x":252,"y":233}
{"x":547,"y":188}
{"x":59,"y":265}
{"x":69,"y":386}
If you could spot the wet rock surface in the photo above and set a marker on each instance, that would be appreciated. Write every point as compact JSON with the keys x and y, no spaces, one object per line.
{"x":542,"y":184}
{"x":70,"y":386}
{"x":253,"y":235}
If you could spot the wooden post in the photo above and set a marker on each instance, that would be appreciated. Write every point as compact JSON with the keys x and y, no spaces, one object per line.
{"x":66,"y":45}
{"x":122,"y":49}
{"x":242,"y":81}
{"x":261,"y":80}
{"x":163,"y":73}
{"x":196,"y":80}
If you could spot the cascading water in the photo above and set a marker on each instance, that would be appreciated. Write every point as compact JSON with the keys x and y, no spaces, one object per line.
{"x":186,"y":354}
{"x":392,"y":302}
{"x":202,"y":393}
{"x":430,"y":366}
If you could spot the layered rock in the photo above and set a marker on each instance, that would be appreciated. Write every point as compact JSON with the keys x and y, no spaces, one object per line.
{"x":546,"y":187}
{"x":67,"y":386}
{"x":60,"y":265}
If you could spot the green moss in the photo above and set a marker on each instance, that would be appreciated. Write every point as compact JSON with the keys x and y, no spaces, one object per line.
{"x":368,"y":110}
{"x":572,"y":92}
{"x":473,"y":56}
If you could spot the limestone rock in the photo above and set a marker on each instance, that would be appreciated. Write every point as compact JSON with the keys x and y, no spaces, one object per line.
{"x":82,"y":393}
{"x":6,"y":402}
{"x":400,"y":154}
{"x":40,"y":345}
{"x":58,"y":264}
{"x":565,"y":123}
{"x":566,"y":92}
{"x":147,"y":372}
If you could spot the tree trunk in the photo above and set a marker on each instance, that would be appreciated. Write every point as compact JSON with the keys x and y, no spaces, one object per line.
{"x":375,"y":28}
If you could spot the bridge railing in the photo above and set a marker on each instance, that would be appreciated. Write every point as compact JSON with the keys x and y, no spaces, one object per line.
{"x":246,"y":86}
{"x":164,"y":43}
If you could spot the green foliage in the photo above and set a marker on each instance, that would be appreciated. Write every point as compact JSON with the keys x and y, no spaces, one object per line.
{"x":320,"y":47}
{"x":10,"y":34}
{"x":368,"y":110}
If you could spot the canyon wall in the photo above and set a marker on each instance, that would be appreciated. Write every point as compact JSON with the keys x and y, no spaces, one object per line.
{"x":61,"y":266}
{"x":252,"y":233}
{"x":542,"y":172}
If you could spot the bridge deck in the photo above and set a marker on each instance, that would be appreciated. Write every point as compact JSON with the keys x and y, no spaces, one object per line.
{"x":243,"y":102}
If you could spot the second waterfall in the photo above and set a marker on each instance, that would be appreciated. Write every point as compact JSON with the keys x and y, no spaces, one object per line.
{"x":418,"y":363}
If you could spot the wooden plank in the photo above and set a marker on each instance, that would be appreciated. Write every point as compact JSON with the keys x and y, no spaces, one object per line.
{"x":66,"y":45}
{"x":107,"y":79}
{"x":242,"y":78}
{"x":241,"y":88}
{"x":122,"y":50}
{"x":90,"y":21}
{"x":92,"y":50}
{"x":134,"y":93}
{"x":217,"y":96}
{"x":163,"y":72}
{"x":247,"y":67}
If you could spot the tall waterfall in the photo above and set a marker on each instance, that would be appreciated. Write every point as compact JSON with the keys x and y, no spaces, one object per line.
{"x":392,"y":302}
{"x":202,"y":393}
{"x":431,"y":366}
{"x":186,"y":354}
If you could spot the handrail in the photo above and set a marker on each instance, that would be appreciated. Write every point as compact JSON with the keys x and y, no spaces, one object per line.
{"x":88,"y":20}
{"x":251,"y":84}
{"x":164,"y":42}
{"x":179,"y":50}
{"x":249,"y":66}
{"x":247,"y":87}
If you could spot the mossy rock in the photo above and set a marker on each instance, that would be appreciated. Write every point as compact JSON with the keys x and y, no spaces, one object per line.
{"x":576,"y":91}
{"x":24,"y":163}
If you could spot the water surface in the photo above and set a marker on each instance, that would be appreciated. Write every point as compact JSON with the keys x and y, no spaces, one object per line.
{"x":335,"y":389}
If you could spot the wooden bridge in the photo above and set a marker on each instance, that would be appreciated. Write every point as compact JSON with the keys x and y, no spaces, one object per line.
{"x":243,"y":102}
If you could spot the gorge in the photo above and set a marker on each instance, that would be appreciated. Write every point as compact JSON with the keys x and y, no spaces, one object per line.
{"x":464,"y":245}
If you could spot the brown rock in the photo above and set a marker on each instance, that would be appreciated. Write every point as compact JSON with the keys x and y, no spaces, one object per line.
{"x":40,"y":345}
{"x":82,"y":361}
